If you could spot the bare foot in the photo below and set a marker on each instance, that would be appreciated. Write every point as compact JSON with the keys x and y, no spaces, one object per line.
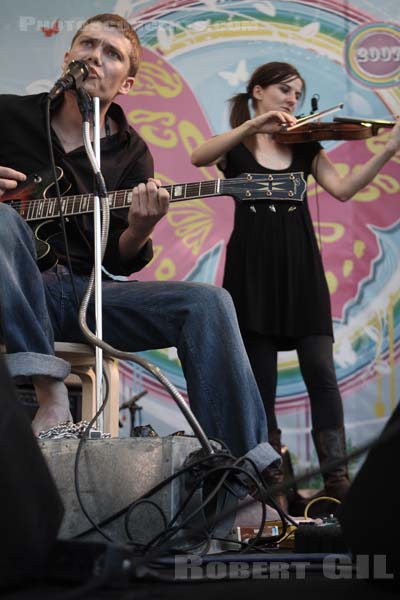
{"x":52,"y":396}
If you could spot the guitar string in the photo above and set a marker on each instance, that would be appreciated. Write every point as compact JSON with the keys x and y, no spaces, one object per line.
{"x":118,"y":195}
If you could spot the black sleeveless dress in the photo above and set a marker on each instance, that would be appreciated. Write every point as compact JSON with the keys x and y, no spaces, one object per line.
{"x":273,"y":268}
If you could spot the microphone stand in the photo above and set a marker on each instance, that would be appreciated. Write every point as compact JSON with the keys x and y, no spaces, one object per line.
{"x":97,"y":267}
{"x":86,"y":106}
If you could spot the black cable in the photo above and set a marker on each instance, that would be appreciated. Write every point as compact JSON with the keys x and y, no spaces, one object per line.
{"x":265,"y":498}
{"x":188,"y":498}
{"x":159,"y":551}
{"x":58,"y":195}
{"x":172,"y":531}
{"x":272,"y":491}
{"x":196,"y":486}
{"x":139,"y":503}
{"x":76,"y":465}
{"x":140,"y":566}
{"x":329,"y":466}
{"x":226,"y":471}
{"x":199,"y":485}
{"x":177,"y":528}
{"x":149,"y":493}
{"x":229,"y":541}
{"x":144,"y":565}
{"x":204,"y":541}
{"x":285,"y":486}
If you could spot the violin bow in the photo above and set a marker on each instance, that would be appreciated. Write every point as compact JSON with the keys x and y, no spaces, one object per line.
{"x":315,"y":116}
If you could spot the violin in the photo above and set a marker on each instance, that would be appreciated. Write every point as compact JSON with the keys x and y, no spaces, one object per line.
{"x":341,"y":128}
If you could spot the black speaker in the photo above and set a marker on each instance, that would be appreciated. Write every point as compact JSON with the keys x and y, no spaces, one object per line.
{"x":31,"y":509}
{"x":369,"y":515}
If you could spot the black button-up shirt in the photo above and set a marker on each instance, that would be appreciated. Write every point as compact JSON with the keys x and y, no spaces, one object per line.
{"x":125,"y":162}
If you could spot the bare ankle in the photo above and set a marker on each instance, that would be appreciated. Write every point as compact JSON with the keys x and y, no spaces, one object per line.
{"x":49,"y":389}
{"x":52,"y":397}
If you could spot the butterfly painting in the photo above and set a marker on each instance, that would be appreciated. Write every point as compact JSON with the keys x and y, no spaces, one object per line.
{"x":50,"y":31}
{"x":199,"y":26}
{"x":239,"y":75}
{"x":266,"y":7}
{"x":165,"y":37}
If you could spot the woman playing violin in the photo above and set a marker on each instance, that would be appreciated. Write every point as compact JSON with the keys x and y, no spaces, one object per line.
{"x":273,"y":269}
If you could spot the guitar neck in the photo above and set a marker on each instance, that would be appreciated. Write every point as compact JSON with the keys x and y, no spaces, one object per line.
{"x":248,"y":187}
{"x":45,"y":208}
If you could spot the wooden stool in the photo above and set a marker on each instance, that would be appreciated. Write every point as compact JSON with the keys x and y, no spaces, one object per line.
{"x":83,"y":361}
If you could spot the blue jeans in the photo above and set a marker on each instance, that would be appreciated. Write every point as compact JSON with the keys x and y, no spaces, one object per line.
{"x":198,"y":319}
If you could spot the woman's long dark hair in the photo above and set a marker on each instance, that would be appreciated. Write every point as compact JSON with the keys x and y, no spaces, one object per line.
{"x":265,"y":75}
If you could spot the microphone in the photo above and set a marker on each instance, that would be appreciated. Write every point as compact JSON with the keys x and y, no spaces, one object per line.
{"x":132,"y":401}
{"x":314,"y":103}
{"x":76,"y":72}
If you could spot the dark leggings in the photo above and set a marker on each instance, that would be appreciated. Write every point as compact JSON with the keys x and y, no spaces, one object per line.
{"x":317,"y":368}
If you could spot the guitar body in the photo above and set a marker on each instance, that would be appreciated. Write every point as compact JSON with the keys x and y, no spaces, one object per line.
{"x":36,"y":187}
{"x":44,"y":233}
{"x":35,"y":200}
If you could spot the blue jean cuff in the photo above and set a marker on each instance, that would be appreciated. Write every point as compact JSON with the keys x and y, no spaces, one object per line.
{"x":23,"y":365}
{"x":263,"y":455}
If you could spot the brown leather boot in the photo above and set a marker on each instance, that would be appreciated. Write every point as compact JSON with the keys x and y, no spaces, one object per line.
{"x":330,"y":445}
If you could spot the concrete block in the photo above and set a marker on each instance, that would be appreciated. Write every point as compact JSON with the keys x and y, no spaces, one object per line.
{"x":112,"y":473}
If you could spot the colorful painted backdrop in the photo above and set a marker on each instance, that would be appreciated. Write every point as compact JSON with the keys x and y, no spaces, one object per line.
{"x":197,"y":55}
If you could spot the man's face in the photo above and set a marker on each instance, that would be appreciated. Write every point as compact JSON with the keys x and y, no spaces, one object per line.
{"x":106,"y":51}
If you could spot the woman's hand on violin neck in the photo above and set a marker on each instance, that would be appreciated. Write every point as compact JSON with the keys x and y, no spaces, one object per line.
{"x":270,"y":122}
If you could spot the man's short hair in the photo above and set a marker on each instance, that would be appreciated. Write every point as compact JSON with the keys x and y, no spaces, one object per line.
{"x":122,"y":25}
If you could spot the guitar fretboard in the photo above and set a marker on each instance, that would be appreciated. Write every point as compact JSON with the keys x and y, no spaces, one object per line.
{"x":248,"y":188}
{"x":188,"y":191}
{"x":46,"y":208}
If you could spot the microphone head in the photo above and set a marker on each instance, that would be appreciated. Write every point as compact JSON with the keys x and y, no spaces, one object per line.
{"x":76,"y":72}
{"x":314,"y":102}
{"x":78,"y":69}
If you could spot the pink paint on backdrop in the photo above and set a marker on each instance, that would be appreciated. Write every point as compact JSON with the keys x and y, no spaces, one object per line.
{"x":378,"y":205}
{"x":164,"y":110}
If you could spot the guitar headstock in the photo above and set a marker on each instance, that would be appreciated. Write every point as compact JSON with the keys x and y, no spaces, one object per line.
{"x":271,"y":187}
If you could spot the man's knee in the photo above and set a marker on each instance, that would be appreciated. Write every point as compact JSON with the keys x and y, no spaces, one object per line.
{"x":16,"y":237}
{"x":11,"y":224}
{"x":211,"y":297}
